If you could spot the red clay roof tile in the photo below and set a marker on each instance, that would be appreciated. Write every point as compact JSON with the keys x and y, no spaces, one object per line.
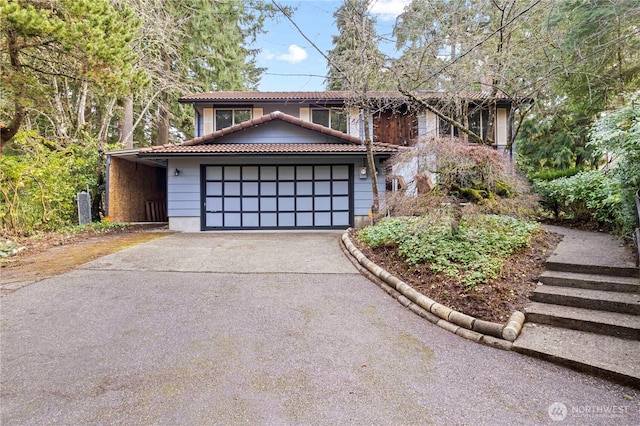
{"x":267,"y":148}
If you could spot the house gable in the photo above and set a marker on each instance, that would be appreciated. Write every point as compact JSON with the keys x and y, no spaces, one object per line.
{"x":275,"y":127}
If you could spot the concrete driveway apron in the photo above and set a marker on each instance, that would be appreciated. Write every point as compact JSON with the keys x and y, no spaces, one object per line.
{"x":262,"y":328}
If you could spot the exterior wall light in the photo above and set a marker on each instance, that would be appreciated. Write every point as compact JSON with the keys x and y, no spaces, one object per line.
{"x":176,"y":172}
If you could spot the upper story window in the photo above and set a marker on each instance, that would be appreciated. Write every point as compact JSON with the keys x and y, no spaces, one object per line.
{"x":333,"y":118}
{"x":476,"y":120}
{"x":231,"y":116}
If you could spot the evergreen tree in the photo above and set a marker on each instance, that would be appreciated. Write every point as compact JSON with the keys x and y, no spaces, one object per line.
{"x":355,"y":57}
{"x":53,"y":53}
{"x":596,"y":59}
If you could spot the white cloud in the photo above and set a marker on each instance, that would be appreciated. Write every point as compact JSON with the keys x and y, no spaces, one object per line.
{"x":388,"y":9}
{"x":296,"y":54}
{"x":266,"y":54}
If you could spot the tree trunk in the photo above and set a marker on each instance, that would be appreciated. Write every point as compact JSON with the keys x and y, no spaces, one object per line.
{"x":104,"y":126}
{"x":59,"y":117}
{"x":82,"y":105}
{"x":6,"y":133}
{"x":163,"y":124}
{"x":19,"y":111}
{"x":375,"y":204}
{"x":126,"y":130}
{"x":97,"y":202}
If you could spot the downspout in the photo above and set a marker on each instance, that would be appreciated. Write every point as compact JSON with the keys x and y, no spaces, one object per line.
{"x":106,"y":187}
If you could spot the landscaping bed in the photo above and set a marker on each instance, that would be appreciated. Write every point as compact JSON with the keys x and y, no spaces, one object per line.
{"x":491,"y":299}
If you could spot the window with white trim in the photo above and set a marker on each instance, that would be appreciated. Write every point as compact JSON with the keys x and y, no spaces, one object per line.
{"x":227,"y":117}
{"x":477,"y":121}
{"x":335,"y":119}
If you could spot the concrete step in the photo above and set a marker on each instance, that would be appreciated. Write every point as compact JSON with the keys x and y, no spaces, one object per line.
{"x":591,"y":281}
{"x":606,"y":356}
{"x":611,"y":301}
{"x":609,"y":323}
{"x":617,"y":271}
{"x":590,"y":252}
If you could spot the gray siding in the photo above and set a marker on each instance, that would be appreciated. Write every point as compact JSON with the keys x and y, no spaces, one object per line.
{"x":279,"y":132}
{"x":183,"y":192}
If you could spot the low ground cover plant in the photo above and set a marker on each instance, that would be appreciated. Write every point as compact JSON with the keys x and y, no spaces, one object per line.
{"x":473,"y":250}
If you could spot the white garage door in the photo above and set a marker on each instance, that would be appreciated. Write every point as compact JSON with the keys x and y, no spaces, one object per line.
{"x":252,"y":197}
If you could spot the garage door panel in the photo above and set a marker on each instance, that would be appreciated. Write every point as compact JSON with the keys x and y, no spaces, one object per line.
{"x":286,"y":188}
{"x":322,"y":204}
{"x":322,"y":188}
{"x":322,"y":219}
{"x":268,"y":188}
{"x":214,"y":219}
{"x":341,"y":172}
{"x":340,"y":218}
{"x":232,"y":188}
{"x":214,"y":188}
{"x":304,"y":188}
{"x":251,"y":220}
{"x":287,"y":204}
{"x":322,"y":172}
{"x":340,"y":188}
{"x":341,"y":203}
{"x":214,"y":204}
{"x":250,"y":205}
{"x":287,"y":173}
{"x":268,"y":173}
{"x":269,"y":204}
{"x":304,"y":204}
{"x":268,"y":219}
{"x":298,"y":196}
{"x":231,"y":204}
{"x":232,"y":173}
{"x":304,"y":219}
{"x":304,"y":173}
{"x":250,"y":173}
{"x":287,"y":219}
{"x":214,"y":173}
{"x":250,"y":188}
{"x":232,"y":220}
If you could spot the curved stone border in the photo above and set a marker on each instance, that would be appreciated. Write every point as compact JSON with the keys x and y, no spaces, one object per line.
{"x":489,"y":333}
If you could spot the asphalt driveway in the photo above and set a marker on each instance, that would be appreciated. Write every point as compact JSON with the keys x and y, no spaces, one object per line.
{"x":261,"y":328}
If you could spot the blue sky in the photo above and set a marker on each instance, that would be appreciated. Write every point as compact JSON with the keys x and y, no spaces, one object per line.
{"x":291,"y":60}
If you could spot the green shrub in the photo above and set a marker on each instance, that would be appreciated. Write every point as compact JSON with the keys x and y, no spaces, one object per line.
{"x":588,"y":196}
{"x":547,"y":175}
{"x":39,"y":183}
{"x":616,"y":136}
{"x":475,"y":252}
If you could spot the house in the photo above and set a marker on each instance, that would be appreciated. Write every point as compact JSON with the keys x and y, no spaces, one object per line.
{"x":273,"y":160}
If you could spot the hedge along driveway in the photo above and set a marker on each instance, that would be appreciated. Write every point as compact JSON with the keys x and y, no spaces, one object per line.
{"x":270,"y":328}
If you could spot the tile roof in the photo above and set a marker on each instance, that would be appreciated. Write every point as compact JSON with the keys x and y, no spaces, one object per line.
{"x":267,"y":148}
{"x":276,"y":115}
{"x":336,"y":96}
